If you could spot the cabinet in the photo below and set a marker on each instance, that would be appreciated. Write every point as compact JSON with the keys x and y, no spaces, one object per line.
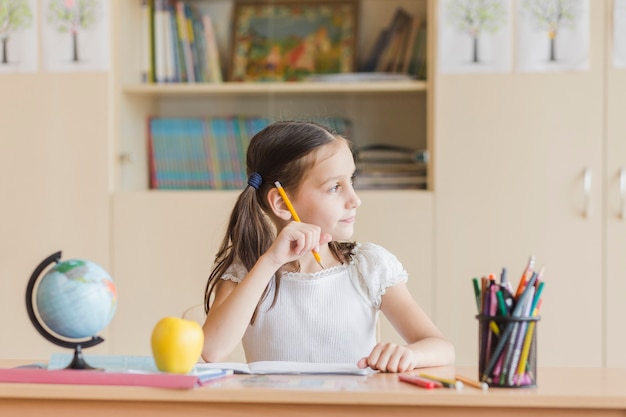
{"x":512,"y":151}
{"x":614,"y":226}
{"x":164,"y":242}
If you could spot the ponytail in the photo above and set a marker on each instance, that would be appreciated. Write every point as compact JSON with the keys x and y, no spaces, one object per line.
{"x":248,"y":236}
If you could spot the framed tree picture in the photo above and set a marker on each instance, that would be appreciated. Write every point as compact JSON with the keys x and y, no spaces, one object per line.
{"x":291,"y":41}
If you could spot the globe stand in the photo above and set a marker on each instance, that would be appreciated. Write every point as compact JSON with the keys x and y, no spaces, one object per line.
{"x":78,"y":362}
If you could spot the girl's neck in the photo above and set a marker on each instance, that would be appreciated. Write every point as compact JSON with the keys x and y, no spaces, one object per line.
{"x":309,"y":265}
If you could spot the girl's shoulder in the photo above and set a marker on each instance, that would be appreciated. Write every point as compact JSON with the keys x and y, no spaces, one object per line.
{"x":235,"y":272}
{"x":377,"y":269}
{"x":371,"y":254}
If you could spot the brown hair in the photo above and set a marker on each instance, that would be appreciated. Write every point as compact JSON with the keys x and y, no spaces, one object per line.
{"x":283,"y":151}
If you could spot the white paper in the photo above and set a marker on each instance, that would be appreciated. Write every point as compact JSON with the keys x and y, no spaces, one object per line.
{"x":287,"y":368}
{"x":619,"y":33}
{"x":92,"y":35}
{"x":18,"y":33}
{"x":569,"y":48}
{"x":469,"y":43}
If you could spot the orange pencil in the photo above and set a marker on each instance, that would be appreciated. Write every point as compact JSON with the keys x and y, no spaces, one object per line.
{"x":525,"y":277}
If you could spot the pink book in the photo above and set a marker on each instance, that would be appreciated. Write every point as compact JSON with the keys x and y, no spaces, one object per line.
{"x":81,"y":377}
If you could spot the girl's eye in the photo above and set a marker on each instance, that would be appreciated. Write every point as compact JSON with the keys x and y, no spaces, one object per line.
{"x":334,"y":188}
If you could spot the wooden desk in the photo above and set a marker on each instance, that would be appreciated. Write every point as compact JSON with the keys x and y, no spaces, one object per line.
{"x":561,"y":392}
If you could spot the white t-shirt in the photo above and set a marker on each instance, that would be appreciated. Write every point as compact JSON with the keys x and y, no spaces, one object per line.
{"x":326,"y":316}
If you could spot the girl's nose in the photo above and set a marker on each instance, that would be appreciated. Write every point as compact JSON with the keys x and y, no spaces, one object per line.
{"x":355,"y":201}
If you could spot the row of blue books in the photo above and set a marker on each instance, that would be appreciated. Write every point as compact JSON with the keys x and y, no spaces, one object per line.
{"x":179,"y":44}
{"x":207,"y":152}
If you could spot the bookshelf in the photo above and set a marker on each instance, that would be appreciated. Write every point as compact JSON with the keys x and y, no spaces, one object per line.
{"x":165,"y":240}
{"x":395,"y":112}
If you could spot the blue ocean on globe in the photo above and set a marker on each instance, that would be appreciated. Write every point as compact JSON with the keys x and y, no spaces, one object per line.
{"x":76,"y":299}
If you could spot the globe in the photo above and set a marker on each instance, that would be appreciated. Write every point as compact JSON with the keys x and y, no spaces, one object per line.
{"x":74,"y":299}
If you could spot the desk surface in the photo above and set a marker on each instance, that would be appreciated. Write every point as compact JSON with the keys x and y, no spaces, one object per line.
{"x":578,"y":391}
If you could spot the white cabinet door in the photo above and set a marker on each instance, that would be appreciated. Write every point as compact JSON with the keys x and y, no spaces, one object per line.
{"x":615,"y":212}
{"x":510,"y":154}
{"x":54,"y":187}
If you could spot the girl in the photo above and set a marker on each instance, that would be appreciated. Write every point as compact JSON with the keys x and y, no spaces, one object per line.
{"x":267,"y":288}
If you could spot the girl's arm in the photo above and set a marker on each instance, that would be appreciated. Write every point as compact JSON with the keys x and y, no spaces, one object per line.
{"x":426,"y":346}
{"x":234,"y":304}
{"x":232,"y":310}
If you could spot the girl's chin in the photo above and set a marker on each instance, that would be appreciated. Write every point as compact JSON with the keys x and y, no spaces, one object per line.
{"x":344,"y":234}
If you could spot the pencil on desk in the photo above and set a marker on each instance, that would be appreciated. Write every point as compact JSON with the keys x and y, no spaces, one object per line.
{"x":472,"y":383}
{"x":295,"y":216}
{"x":448,"y":383}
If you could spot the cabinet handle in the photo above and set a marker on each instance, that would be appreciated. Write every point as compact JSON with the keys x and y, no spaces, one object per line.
{"x":622,"y":193}
{"x":587,"y":191}
{"x":126,"y":158}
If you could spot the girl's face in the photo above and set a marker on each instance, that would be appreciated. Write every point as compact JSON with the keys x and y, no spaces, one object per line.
{"x":326,"y":197}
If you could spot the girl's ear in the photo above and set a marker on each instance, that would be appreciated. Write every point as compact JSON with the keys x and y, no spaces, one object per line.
{"x":277,"y":204}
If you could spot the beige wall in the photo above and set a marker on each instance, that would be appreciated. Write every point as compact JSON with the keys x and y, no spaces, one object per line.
{"x":53,"y":184}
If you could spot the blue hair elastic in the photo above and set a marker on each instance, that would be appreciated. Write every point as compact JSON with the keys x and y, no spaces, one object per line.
{"x":255,"y":180}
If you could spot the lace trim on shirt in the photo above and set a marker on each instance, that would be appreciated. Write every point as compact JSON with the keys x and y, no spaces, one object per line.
{"x":318,"y":274}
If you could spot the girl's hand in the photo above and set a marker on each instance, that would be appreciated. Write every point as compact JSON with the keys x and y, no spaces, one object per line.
{"x":294,"y":240}
{"x":389,"y":357}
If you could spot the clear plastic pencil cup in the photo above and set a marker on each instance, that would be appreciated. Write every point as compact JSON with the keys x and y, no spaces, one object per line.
{"x":507,"y":351}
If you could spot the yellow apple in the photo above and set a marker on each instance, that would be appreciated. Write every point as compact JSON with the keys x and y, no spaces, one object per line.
{"x":176,"y":344}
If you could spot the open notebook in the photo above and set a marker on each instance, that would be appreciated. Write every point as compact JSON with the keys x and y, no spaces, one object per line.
{"x":285,"y":368}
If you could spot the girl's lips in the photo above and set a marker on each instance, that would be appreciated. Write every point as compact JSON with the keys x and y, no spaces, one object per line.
{"x":348,"y":220}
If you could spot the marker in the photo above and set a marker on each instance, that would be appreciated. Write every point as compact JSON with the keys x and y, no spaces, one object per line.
{"x":472,"y":383}
{"x":503,"y":277}
{"x":295,"y":216}
{"x":476,"y":293}
{"x":448,"y":383}
{"x":419,"y":381}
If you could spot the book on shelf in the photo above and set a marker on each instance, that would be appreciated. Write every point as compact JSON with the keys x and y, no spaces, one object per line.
{"x":147,"y":39}
{"x":400,"y":47}
{"x":417,"y":63}
{"x":348,"y":77}
{"x":386,"y":167}
{"x":213,"y":56}
{"x":390,"y":153}
{"x":288,"y":368}
{"x":395,"y":182}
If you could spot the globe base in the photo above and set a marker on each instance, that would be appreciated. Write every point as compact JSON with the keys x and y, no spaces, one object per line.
{"x":78,"y":362}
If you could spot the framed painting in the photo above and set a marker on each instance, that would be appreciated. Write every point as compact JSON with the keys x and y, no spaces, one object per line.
{"x":291,"y":41}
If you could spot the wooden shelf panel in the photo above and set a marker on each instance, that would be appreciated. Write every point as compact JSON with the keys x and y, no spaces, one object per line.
{"x":228,"y":88}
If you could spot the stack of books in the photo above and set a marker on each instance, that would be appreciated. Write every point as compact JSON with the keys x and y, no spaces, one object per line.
{"x":179,"y":44}
{"x":391,"y":167}
{"x":400,"y":47}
